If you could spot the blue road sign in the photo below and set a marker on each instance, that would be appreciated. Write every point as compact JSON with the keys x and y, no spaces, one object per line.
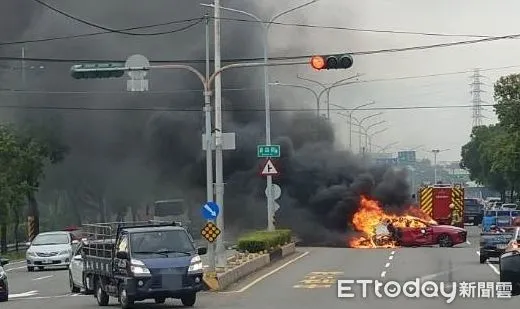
{"x":210,"y":210}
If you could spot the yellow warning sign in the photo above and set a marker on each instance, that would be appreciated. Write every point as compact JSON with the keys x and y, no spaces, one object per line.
{"x":318,"y":279}
{"x":210,"y":232}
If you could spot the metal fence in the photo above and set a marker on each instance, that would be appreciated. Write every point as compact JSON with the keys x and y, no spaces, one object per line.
{"x":21,"y":246}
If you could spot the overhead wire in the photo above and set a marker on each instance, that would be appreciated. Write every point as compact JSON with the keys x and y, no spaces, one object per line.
{"x":89,"y":23}
{"x":262,"y":110}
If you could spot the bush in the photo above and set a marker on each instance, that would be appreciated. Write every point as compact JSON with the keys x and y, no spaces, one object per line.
{"x":263,"y":240}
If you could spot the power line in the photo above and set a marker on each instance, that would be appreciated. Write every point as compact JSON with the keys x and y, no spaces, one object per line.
{"x":357,"y":53}
{"x":89,"y":23}
{"x":260,"y":109}
{"x":66,"y":37}
{"x":396,"y":78}
{"x":434,"y":34}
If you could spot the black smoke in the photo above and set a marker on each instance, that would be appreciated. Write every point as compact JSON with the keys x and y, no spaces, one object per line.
{"x":125,"y":158}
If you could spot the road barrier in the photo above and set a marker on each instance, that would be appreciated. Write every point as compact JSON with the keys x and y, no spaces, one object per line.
{"x":21,"y":246}
{"x":242,"y":265}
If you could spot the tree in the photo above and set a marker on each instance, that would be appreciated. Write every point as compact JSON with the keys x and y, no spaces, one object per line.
{"x":479,"y":157}
{"x":43,"y":144}
{"x":13,"y":186}
{"x":507,"y":96}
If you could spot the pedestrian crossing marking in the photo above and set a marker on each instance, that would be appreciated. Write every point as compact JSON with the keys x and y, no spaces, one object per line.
{"x":318,"y":279}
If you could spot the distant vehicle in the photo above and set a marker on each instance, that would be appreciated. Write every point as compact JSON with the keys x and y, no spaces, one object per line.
{"x":510,"y":264}
{"x":172,"y":210}
{"x":50,"y":249}
{"x":491,"y":200}
{"x":500,"y":218}
{"x":494,"y":244}
{"x":473,"y":211}
{"x":4,"y":286}
{"x":435,"y":201}
{"x":442,"y":235}
{"x":147,"y":260}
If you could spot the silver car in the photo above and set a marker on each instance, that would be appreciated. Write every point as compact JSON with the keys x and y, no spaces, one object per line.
{"x":50,"y":249}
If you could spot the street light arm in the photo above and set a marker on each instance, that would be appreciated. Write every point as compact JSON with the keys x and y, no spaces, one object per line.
{"x":375,"y":124}
{"x":370,"y":116}
{"x":296,"y":86}
{"x":312,"y":81}
{"x":275,"y":17}
{"x":258,"y":19}
{"x":380,"y":131}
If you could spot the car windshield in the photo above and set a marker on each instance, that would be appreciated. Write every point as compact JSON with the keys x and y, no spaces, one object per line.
{"x":162,"y":243}
{"x":51,"y":239}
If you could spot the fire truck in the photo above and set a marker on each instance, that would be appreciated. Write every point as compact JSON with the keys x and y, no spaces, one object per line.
{"x":435,"y":201}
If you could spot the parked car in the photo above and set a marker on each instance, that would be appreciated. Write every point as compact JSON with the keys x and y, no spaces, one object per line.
{"x":510,"y":264}
{"x":4,"y":286}
{"x":52,"y":249}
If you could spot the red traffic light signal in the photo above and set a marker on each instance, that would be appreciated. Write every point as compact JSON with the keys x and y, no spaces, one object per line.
{"x":332,"y":62}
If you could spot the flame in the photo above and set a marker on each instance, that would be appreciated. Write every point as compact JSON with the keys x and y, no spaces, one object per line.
{"x":371,"y":216}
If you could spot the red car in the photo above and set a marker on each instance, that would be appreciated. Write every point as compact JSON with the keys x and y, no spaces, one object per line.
{"x":442,"y":235}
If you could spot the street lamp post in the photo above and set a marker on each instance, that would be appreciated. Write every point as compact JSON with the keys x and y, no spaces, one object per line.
{"x":370,"y":136}
{"x":368,"y":129}
{"x":327,"y":89}
{"x":360,"y":124}
{"x":349,"y":115}
{"x":219,"y":181}
{"x":435,"y":153}
{"x":317,"y":95}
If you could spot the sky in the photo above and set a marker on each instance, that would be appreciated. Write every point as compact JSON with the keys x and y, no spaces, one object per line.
{"x":429,"y":128}
{"x":422,"y":129}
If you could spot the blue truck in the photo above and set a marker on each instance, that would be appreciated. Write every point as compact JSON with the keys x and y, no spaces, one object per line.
{"x":136,"y":261}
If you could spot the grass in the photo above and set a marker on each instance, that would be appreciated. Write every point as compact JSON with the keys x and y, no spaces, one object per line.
{"x":14,"y":256}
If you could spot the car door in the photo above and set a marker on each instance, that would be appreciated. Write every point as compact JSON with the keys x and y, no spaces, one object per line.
{"x":76,"y":267}
{"x":422,"y":236}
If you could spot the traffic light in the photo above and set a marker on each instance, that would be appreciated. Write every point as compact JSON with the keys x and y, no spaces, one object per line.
{"x":332,"y":62}
{"x":97,"y":70}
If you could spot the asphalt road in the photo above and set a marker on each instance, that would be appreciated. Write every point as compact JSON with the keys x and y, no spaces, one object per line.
{"x":304,"y":280}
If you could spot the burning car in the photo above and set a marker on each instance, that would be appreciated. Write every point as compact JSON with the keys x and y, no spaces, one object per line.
{"x":379,"y":229}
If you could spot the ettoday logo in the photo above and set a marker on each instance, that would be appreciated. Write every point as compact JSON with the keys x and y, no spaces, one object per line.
{"x":428,"y":289}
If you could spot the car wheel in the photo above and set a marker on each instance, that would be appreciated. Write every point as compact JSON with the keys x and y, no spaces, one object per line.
{"x":483,"y":259}
{"x":101,"y":296}
{"x":188,"y":300}
{"x":40,"y":268}
{"x":30,"y":268}
{"x":73,"y":287}
{"x":445,"y":241}
{"x":125,"y":300}
{"x":4,"y":298}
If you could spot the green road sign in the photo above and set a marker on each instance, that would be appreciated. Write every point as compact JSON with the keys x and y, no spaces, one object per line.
{"x":406,"y":156}
{"x":97,"y":70}
{"x":266,"y":151}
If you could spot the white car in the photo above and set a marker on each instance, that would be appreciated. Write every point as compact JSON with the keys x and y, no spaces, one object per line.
{"x":50,"y":249}
{"x":76,"y":271}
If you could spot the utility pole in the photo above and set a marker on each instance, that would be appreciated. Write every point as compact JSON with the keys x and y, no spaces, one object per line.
{"x":219,"y":173}
{"x":209,"y":144}
{"x":435,"y":153}
{"x":476,"y":90}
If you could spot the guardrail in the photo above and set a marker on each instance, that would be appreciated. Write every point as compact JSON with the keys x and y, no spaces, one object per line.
{"x":12,"y":247}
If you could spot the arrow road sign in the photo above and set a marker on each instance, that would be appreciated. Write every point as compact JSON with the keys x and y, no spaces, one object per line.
{"x":210,"y":210}
{"x":277,"y":191}
{"x":276,"y":206}
{"x":269,"y":169}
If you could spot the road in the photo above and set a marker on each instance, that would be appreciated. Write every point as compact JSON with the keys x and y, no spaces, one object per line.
{"x":306,"y":280}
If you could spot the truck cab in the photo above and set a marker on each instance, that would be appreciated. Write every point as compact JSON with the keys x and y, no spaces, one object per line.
{"x":147,"y":262}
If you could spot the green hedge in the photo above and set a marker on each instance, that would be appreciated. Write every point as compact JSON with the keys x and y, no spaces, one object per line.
{"x":263,"y":240}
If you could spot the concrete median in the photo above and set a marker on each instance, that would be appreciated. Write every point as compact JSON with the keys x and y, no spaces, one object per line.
{"x":241,"y":265}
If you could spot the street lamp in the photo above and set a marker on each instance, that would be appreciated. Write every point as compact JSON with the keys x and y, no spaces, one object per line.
{"x":360,"y":124}
{"x":370,"y":136}
{"x":327,"y":89}
{"x":367,"y":136}
{"x":435,"y":153}
{"x":265,"y":27}
{"x":349,"y":115}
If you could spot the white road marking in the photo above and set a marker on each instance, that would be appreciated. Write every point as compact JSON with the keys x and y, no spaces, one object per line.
{"x":392,"y":253}
{"x":7,"y":270}
{"x":387,"y":265}
{"x":268,"y":274}
{"x":26,"y":294}
{"x":493,"y":267}
{"x":383,"y":274}
{"x":41,"y":278}
{"x":51,"y":297}
{"x":391,"y":257}
{"x":16,"y":262}
{"x":467,"y":241}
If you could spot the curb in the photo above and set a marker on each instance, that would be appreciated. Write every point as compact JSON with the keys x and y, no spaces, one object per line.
{"x":225,"y":279}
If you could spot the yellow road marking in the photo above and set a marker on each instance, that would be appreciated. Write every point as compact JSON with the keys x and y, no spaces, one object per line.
{"x":318,"y":279}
